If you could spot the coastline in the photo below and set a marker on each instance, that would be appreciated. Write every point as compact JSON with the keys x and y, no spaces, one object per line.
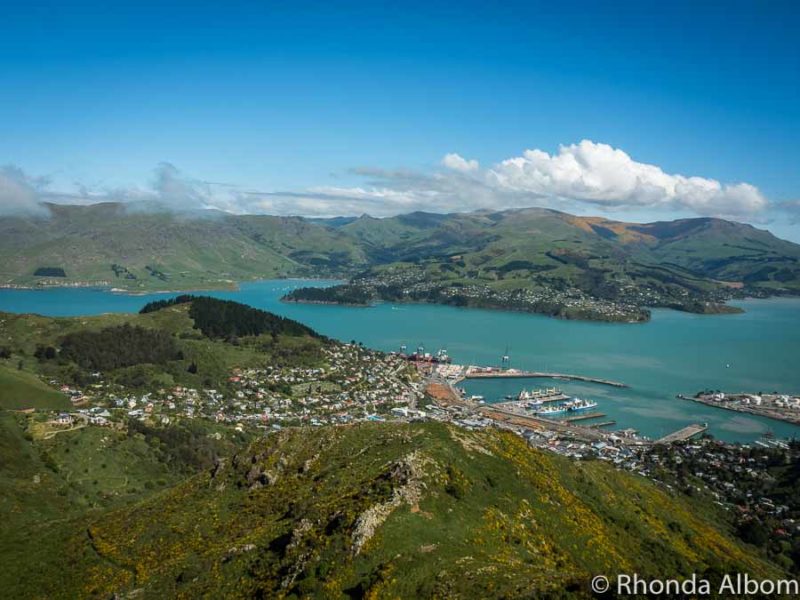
{"x":767,"y":414}
{"x":106,"y":286}
{"x":737,"y":305}
{"x":508,"y":309}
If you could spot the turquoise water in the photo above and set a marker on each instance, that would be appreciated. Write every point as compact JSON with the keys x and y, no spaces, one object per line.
{"x":674,"y":353}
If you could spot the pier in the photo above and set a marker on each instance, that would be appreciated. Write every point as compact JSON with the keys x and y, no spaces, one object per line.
{"x":584,"y":417}
{"x":603,"y":424}
{"x":683,"y":434}
{"x":492,"y":373}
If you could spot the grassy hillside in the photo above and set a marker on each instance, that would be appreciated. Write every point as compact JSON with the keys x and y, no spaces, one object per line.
{"x":22,"y":390}
{"x":572,"y":267}
{"x":134,"y":249}
{"x":52,"y":488}
{"x":385,"y":510}
{"x":535,"y":238}
{"x":608,"y":269}
{"x":123,"y":348}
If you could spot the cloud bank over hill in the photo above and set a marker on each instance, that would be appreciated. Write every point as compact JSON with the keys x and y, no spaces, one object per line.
{"x":19,"y":193}
{"x":582,"y":176}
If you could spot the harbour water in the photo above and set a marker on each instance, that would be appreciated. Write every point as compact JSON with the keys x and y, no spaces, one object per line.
{"x":758,"y":350}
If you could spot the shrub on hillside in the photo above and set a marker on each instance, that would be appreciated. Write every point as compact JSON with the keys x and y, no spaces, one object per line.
{"x":119,"y":346}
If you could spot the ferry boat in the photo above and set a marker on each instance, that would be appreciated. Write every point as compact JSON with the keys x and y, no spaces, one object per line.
{"x":574,"y":405}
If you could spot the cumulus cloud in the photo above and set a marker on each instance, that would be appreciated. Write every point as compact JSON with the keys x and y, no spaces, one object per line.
{"x":601,"y":175}
{"x":578,"y":177}
{"x":458,"y":163}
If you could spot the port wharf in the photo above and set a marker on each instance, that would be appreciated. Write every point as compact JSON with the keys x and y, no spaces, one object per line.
{"x":555,"y":396}
{"x":771,"y":406}
{"x":585,"y":416}
{"x":473,"y":372}
{"x":684,"y":434}
{"x":441,"y":388}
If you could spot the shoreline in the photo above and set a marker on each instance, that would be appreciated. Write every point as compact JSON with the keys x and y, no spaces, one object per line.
{"x":506,"y":309}
{"x":767,"y":414}
{"x":236,"y":285}
{"x":232,"y":285}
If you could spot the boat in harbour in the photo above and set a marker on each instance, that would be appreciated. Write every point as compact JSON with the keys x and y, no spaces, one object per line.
{"x":540,"y":394}
{"x":574,"y":405}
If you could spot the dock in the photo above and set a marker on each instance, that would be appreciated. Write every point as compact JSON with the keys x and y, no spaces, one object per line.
{"x":683,"y":434}
{"x":584,"y":417}
{"x":492,"y":373}
{"x":603,"y":424}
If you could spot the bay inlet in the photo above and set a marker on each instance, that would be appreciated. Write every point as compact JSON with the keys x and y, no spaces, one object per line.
{"x":674,"y":353}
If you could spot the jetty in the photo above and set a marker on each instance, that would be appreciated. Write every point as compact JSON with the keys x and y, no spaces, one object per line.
{"x":494,"y":373}
{"x":683,"y":434}
{"x":603,"y":424}
{"x":584,"y":417}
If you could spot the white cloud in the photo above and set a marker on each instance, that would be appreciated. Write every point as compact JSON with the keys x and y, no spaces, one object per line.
{"x":19,"y":193}
{"x":581,"y":177}
{"x":458,"y":163}
{"x":601,"y":175}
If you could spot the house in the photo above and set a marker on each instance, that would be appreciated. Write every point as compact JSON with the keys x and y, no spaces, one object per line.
{"x":64,"y":419}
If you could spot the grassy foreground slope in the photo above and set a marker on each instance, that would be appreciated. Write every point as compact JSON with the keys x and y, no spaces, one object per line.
{"x":20,"y":390}
{"x":384,"y":510}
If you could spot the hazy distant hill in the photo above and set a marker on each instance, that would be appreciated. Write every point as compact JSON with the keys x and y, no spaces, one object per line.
{"x":160,"y":250}
{"x":137,"y":249}
{"x":703,"y":247}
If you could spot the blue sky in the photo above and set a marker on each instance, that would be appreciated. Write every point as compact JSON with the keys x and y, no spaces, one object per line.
{"x":337,"y":107}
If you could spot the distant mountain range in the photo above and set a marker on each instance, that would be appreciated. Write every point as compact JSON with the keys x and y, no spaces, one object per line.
{"x":504,"y":250}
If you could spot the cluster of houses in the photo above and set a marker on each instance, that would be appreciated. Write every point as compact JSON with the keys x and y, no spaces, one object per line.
{"x":737,"y":476}
{"x":417,"y":283}
{"x":355,"y":384}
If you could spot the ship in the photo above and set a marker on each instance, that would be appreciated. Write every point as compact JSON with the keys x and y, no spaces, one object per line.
{"x":539,"y":394}
{"x":533,"y":405}
{"x":574,"y":405}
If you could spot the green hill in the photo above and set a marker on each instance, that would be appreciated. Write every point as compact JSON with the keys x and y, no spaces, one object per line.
{"x":191,"y":341}
{"x":22,"y":390}
{"x":529,"y":259}
{"x":379,"y":510}
{"x":134,"y":249}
